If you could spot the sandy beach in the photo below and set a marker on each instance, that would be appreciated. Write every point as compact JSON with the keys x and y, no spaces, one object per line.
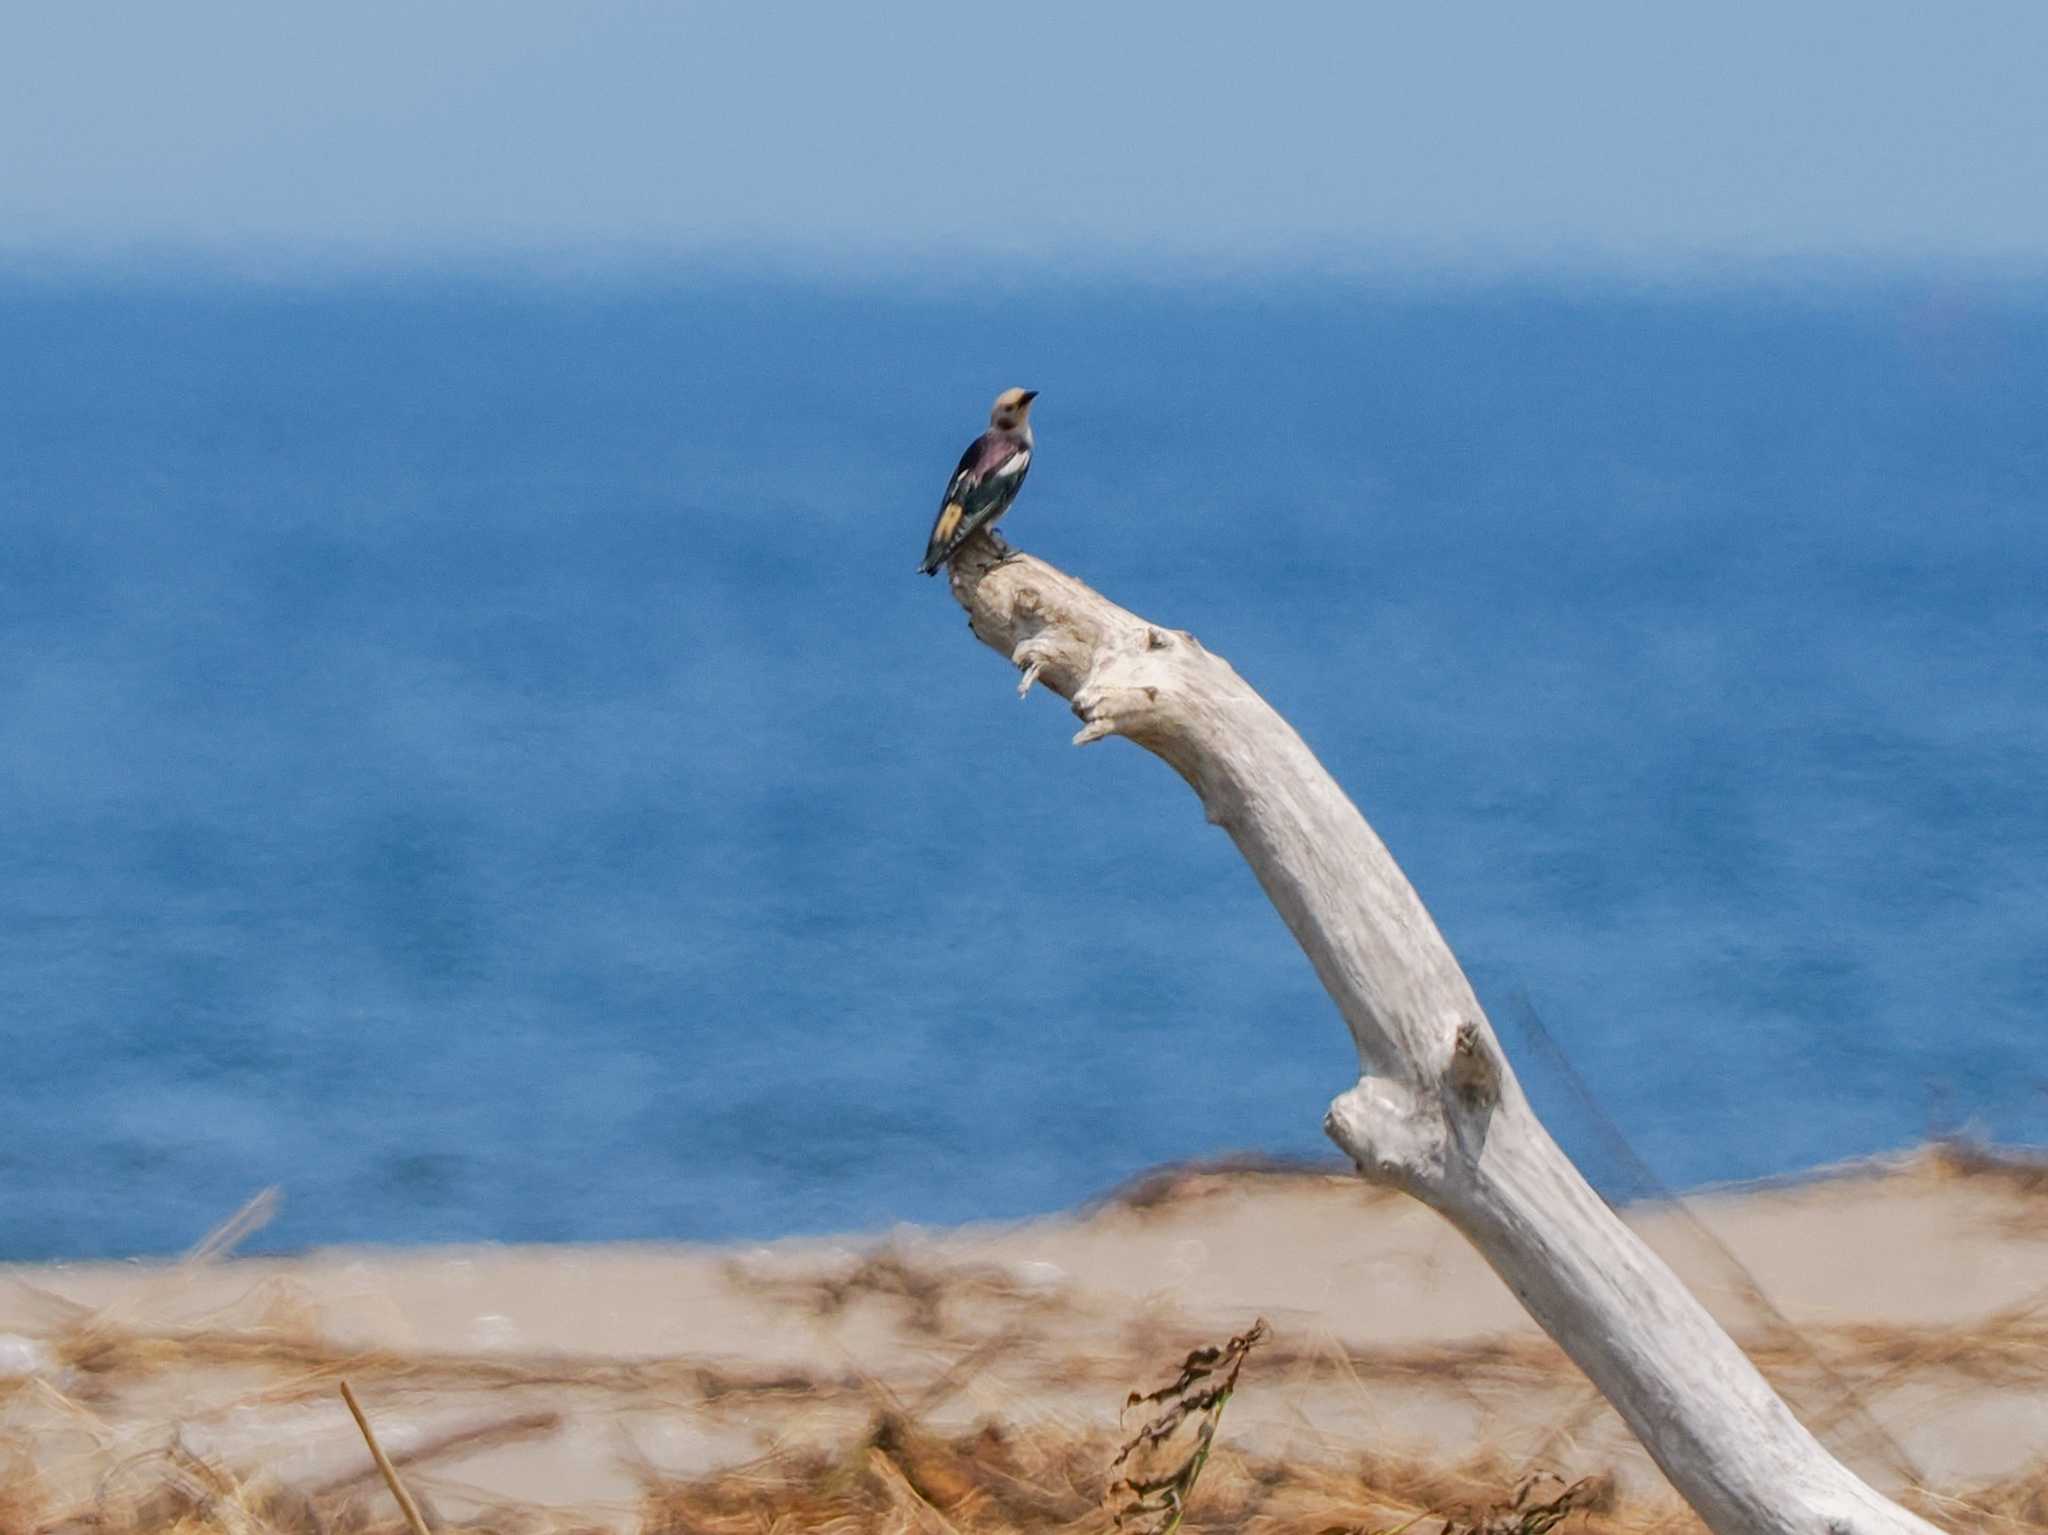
{"x":1902,"y":1307}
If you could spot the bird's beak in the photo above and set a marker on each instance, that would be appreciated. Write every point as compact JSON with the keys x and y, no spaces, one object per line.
{"x":1029,"y":396}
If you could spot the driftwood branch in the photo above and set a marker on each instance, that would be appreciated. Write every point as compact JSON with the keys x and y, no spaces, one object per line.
{"x":1437,"y":1110}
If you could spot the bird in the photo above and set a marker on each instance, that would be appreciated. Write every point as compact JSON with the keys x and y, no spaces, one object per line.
{"x":987,"y":480}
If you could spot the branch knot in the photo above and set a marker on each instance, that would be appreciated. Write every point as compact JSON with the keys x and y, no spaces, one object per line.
{"x":1475,"y":1077}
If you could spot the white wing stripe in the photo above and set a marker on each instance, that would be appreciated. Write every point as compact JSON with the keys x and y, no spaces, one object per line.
{"x":1016,"y":463}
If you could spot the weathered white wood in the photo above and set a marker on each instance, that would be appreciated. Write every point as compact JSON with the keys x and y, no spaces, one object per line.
{"x":1436,"y":1111}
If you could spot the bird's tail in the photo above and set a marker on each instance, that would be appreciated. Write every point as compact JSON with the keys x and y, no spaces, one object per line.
{"x":947,"y":536}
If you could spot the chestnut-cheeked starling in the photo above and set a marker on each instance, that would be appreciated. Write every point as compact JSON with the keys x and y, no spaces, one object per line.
{"x":990,"y":474}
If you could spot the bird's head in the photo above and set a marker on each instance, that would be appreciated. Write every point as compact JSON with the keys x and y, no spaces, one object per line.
{"x":1013,"y":409}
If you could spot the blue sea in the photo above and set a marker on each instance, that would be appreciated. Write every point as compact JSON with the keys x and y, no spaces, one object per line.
{"x":474,"y":752}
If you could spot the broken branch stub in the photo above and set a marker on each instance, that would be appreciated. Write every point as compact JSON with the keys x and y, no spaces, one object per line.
{"x":1437,"y":1110}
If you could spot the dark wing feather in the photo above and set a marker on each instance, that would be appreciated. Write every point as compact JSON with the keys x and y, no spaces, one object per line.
{"x":970,"y":466}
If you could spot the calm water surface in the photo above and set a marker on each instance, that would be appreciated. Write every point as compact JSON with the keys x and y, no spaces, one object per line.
{"x":476,"y":754}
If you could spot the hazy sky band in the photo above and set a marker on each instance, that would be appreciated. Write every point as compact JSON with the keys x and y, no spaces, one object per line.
{"x":1623,"y":134}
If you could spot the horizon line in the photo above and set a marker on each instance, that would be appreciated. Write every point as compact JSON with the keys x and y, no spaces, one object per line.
{"x":287,"y":265}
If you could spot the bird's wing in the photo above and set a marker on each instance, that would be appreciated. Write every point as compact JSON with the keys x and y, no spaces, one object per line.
{"x":991,"y":456}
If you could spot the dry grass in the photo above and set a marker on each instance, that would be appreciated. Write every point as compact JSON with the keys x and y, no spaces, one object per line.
{"x":896,"y":1467}
{"x":990,"y":1482}
{"x":2022,"y":1175}
{"x":899,"y":1475}
{"x":898,"y":1478}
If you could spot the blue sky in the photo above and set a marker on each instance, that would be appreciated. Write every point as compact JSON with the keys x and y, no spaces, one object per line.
{"x":1122,"y":135}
